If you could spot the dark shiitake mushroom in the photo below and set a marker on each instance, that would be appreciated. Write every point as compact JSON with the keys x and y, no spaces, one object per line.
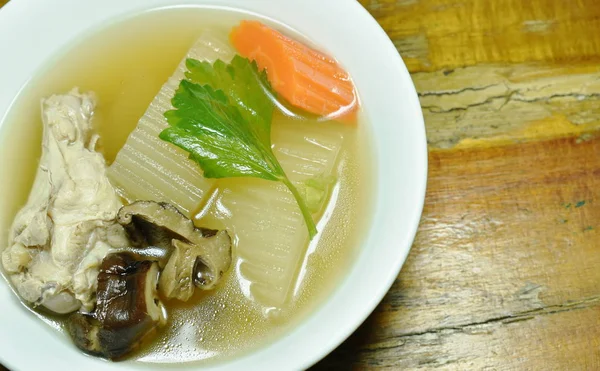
{"x":199,"y":263}
{"x":199,"y":256}
{"x":127,"y":308}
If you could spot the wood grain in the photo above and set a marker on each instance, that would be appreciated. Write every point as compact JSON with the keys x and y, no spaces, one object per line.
{"x":509,"y":102}
{"x":436,"y":34}
{"x":503,"y":274}
{"x":503,"y":69}
{"x":508,"y":234}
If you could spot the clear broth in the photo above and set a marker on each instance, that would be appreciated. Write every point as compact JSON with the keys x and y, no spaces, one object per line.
{"x":125,"y":64}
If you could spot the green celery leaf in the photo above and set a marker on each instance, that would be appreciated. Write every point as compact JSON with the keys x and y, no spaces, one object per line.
{"x":216,"y":135}
{"x":222,"y":118}
{"x":246,"y":88}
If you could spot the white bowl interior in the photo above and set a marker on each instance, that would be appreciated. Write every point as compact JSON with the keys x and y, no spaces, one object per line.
{"x":31,"y":32}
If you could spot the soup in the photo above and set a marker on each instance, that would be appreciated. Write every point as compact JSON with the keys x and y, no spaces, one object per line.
{"x":277,"y":273}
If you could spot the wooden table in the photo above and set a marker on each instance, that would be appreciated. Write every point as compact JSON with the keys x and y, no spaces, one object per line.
{"x":505,"y":270}
{"x":504,"y":273}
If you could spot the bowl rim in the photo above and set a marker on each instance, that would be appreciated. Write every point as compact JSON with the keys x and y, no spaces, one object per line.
{"x":35,"y":31}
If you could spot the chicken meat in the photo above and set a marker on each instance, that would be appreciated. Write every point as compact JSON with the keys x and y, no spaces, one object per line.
{"x":60,"y":237}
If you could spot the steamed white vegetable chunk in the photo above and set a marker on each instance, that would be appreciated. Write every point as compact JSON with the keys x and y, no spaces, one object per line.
{"x":270,"y":235}
{"x":147,"y":168}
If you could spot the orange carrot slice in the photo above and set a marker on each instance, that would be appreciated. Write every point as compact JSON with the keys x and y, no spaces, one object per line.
{"x":305,"y":77}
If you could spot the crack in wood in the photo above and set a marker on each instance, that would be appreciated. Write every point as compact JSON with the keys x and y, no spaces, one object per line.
{"x":454,"y":92}
{"x":490,"y":101}
{"x":579,"y":96}
{"x":436,"y":109}
{"x":500,"y":320}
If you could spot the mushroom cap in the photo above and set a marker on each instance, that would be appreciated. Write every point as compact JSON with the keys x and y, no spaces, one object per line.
{"x":151,"y":223}
{"x":199,"y":256}
{"x":127,"y":309}
{"x":200,"y":264}
{"x":126,"y":291}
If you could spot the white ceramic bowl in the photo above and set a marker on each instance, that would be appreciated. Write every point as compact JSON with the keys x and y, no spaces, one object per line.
{"x":32,"y":31}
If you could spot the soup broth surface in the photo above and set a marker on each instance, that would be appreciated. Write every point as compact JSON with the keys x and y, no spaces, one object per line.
{"x":125,"y":64}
